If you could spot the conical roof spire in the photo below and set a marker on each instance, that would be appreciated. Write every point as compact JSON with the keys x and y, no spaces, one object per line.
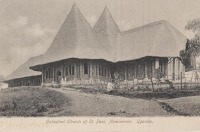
{"x":106,"y":22}
{"x":106,"y":32}
{"x":75,"y":8}
{"x":74,"y":37}
{"x":74,"y":5}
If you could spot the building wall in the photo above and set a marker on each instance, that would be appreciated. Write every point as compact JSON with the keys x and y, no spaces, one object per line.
{"x":175,"y":69}
{"x":100,"y":70}
{"x":77,"y":69}
{"x":146,"y":67}
{"x":27,"y":81}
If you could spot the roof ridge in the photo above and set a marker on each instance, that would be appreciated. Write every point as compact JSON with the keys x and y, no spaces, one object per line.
{"x":172,"y":27}
{"x":144,"y":26}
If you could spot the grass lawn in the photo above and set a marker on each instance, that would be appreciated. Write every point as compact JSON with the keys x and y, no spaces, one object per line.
{"x":189,"y":105}
{"x":31,"y":101}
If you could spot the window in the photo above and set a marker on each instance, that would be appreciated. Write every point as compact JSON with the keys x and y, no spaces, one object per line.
{"x":100,"y":70}
{"x":104,"y":71}
{"x":49,"y":73}
{"x":67,"y":71}
{"x":71,"y":69}
{"x":160,"y":66}
{"x":85,"y":68}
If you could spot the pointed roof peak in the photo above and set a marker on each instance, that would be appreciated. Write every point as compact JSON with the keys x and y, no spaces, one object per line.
{"x":74,"y":7}
{"x":106,"y":10}
{"x":106,"y":21}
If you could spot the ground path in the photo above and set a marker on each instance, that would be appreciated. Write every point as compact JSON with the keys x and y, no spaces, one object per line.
{"x":87,"y":104}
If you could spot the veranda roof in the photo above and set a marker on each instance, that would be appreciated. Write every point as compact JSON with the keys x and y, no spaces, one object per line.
{"x":24,"y":70}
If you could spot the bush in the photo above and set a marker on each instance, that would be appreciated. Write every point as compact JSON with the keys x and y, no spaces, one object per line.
{"x":31,"y":101}
{"x":41,"y":108}
{"x":56,"y":86}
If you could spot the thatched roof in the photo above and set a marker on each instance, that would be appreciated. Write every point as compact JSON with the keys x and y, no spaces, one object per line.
{"x":77,"y":39}
{"x":155,"y":39}
{"x":106,"y":32}
{"x":24,"y":70}
{"x":73,"y":40}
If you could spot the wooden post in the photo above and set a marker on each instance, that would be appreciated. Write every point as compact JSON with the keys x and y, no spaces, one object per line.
{"x":43,"y":73}
{"x":145,"y":69}
{"x":181,"y":80}
{"x":153,"y":68}
{"x":173,"y":70}
{"x":53,"y":73}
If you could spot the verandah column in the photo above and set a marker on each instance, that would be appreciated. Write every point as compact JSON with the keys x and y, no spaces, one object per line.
{"x":81,"y":69}
{"x":135,"y":70}
{"x":166,"y":69}
{"x":43,"y":73}
{"x":62,"y":71}
{"x":90,"y":69}
{"x":145,"y":69}
{"x":75,"y":69}
{"x":157,"y":63}
{"x":173,"y":69}
{"x":97,"y":70}
{"x":53,"y":74}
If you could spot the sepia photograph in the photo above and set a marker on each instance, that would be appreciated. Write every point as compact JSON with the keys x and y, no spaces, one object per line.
{"x":110,"y":59}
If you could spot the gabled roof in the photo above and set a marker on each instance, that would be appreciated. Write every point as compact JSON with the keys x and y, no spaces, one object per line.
{"x":24,"y":70}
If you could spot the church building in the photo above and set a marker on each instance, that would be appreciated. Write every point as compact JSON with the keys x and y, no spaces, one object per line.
{"x":81,"y":53}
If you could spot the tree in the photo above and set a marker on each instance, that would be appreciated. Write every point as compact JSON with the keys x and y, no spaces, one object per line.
{"x":194,"y":25}
{"x":192,"y":50}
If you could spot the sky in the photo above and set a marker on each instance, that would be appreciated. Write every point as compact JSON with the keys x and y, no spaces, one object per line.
{"x":28,"y":27}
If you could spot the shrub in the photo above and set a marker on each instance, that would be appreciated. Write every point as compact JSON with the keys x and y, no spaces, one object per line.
{"x":41,"y":108}
{"x":55,"y":85}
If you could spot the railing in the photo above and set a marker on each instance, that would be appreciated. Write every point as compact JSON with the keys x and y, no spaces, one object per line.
{"x":137,"y":85}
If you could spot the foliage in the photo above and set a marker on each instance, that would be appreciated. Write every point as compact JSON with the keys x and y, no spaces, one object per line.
{"x":194,"y":25}
{"x":159,"y":73}
{"x":31,"y":101}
